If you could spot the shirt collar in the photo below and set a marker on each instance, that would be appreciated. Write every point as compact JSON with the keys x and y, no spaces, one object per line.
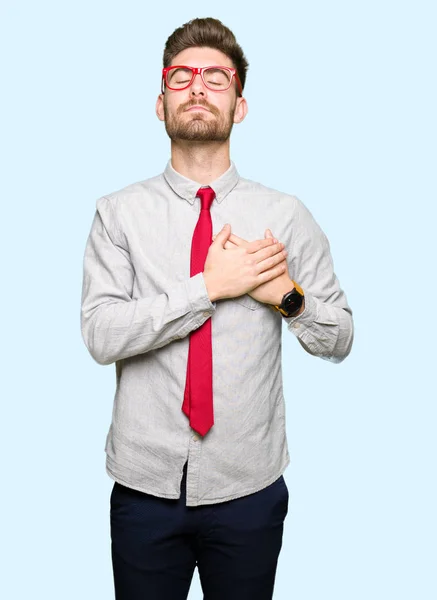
{"x":187,"y":188}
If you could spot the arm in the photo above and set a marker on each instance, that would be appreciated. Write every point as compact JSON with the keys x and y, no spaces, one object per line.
{"x":115,"y":325}
{"x":324,"y":328}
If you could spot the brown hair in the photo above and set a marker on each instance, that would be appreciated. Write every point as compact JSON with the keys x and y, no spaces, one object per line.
{"x":211,"y":33}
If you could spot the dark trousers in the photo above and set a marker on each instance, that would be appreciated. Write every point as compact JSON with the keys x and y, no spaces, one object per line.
{"x":157,"y":543}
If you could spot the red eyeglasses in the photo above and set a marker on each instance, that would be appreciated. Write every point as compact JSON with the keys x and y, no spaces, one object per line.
{"x":219,"y":79}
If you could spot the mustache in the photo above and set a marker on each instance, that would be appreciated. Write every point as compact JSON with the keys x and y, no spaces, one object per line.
{"x":184,"y":107}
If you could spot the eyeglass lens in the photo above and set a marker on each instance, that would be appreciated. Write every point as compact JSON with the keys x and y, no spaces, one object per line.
{"x":215,"y":79}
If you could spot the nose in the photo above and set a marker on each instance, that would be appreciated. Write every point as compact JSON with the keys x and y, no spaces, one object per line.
{"x":197,"y":87}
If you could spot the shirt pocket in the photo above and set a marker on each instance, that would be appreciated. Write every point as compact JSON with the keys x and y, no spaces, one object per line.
{"x":248,"y":302}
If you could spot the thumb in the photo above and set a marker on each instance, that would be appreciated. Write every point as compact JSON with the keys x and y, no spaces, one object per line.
{"x":268,"y":233}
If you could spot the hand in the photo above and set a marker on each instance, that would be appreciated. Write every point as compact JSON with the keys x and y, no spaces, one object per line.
{"x":242,"y":267}
{"x":272,"y":291}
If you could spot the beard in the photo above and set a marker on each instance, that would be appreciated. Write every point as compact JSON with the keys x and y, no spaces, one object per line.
{"x":199,"y":127}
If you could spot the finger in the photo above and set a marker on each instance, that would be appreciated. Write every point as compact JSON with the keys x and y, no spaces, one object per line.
{"x":269,"y":234}
{"x":223,"y":234}
{"x":228,"y":244}
{"x":260,"y":244}
{"x":238,"y":241}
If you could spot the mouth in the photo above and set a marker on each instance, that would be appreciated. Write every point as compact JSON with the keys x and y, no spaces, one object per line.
{"x":197,"y":107}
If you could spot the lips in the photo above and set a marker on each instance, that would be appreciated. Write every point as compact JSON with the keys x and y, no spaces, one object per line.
{"x":197,"y":108}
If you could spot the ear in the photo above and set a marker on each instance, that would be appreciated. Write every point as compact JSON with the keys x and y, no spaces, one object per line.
{"x":241,"y":110}
{"x":160,"y":107}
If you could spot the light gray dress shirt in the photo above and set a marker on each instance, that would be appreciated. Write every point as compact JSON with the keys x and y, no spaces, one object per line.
{"x":139,"y":305}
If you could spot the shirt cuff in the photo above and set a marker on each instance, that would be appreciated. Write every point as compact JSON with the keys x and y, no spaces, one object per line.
{"x":198,"y":294}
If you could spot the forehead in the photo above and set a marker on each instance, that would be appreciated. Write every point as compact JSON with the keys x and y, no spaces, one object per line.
{"x":201,"y":57}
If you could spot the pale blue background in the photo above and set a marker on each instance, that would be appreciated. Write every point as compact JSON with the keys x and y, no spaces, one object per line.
{"x":342,"y":100}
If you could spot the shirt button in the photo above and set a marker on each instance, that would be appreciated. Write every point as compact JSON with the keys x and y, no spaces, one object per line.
{"x":296,"y":326}
{"x":206,"y":313}
{"x":196,"y":438}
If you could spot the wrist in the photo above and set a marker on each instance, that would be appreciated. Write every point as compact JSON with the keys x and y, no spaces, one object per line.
{"x":284,"y":289}
{"x":211,"y":290}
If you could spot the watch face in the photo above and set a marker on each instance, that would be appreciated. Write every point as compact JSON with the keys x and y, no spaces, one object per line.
{"x":290,"y":302}
{"x":293,"y":302}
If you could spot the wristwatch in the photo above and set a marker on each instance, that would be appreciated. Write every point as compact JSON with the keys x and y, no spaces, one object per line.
{"x":291,"y":302}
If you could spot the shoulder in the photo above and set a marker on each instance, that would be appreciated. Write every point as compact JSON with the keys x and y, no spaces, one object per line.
{"x":125,"y":204}
{"x":139,"y":191}
{"x":253,"y":188}
{"x":290,"y":205}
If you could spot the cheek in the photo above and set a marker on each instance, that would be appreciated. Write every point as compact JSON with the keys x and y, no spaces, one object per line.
{"x":171,"y":104}
{"x":224,"y":107}
{"x":229,"y":107}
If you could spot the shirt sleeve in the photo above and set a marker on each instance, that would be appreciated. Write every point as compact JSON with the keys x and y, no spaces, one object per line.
{"x":325,"y":327}
{"x":114,"y":325}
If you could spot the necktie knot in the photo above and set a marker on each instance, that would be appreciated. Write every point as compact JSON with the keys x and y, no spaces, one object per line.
{"x":206,"y":195}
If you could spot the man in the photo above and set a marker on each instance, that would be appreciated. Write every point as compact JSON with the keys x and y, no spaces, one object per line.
{"x":197,"y":445}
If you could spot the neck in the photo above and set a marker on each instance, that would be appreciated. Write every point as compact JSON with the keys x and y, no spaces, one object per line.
{"x":200,"y":162}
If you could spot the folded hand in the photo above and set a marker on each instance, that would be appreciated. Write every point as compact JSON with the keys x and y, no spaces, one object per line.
{"x":270,"y":292}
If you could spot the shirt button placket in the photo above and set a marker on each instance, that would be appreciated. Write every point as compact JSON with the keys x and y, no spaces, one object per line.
{"x":193,"y":467}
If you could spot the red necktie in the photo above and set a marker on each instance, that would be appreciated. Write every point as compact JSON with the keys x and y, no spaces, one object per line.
{"x":197,"y":403}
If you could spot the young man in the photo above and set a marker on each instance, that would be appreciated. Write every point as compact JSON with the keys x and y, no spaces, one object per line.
{"x":197,"y":445}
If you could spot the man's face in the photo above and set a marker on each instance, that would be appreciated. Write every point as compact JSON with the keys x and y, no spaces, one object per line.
{"x":198,"y":113}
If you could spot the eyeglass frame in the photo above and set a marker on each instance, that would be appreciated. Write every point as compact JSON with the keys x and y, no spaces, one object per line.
{"x":199,"y":71}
